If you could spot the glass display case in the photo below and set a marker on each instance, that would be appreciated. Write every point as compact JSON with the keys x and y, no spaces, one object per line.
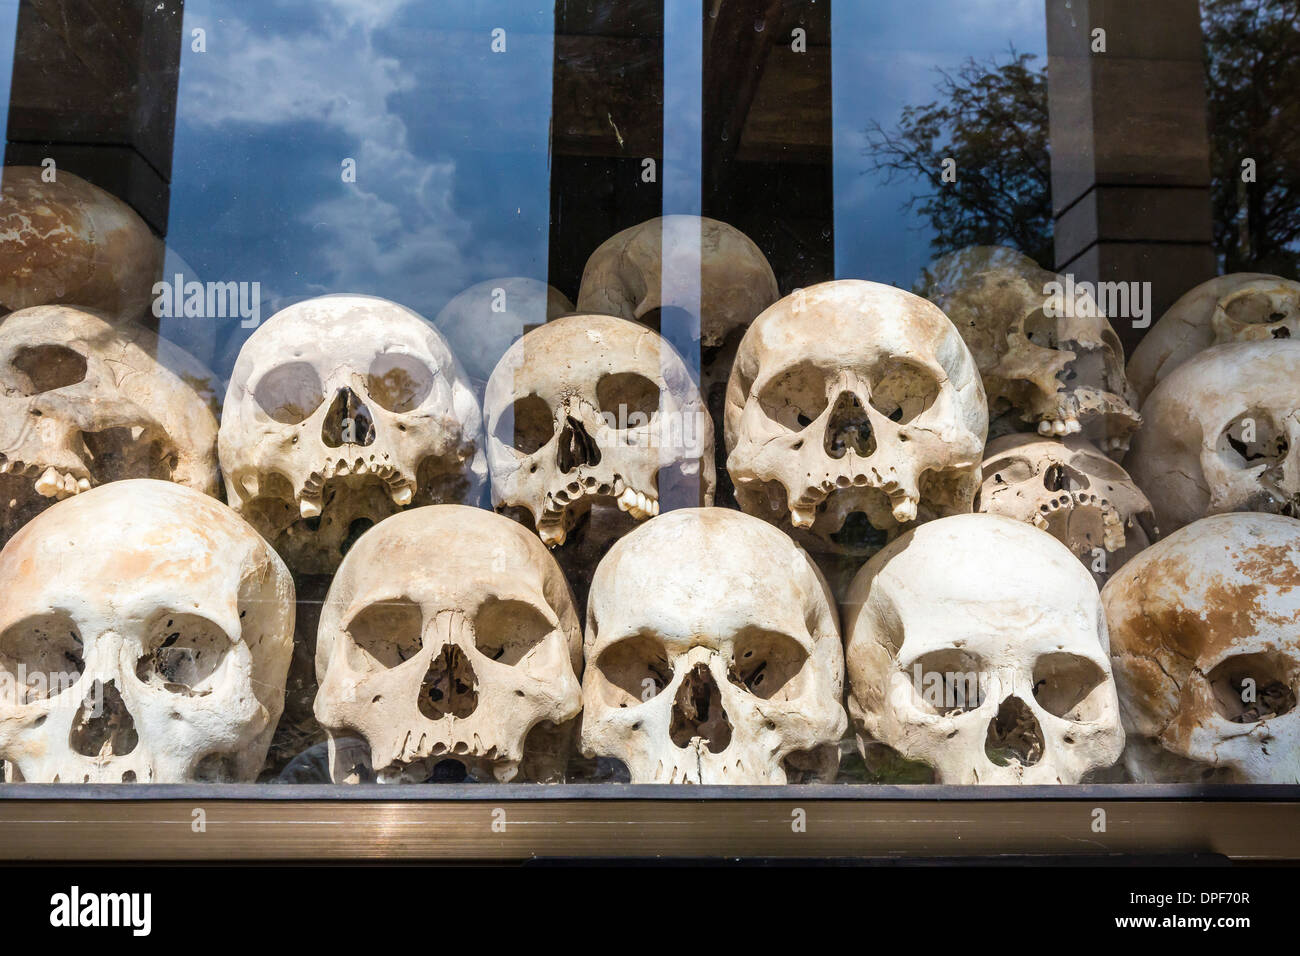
{"x":739,"y":428}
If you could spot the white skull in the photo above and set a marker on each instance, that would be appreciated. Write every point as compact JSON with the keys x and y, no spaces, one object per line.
{"x":84,"y":402}
{"x":853,"y":411}
{"x":1222,"y":433}
{"x":713,"y":655}
{"x":591,"y":409}
{"x":1242,"y":307}
{"x":448,"y":633}
{"x":1206,"y":652}
{"x":631,"y":276}
{"x":1069,"y":489}
{"x":145,"y":634}
{"x":977,"y":646}
{"x":484,"y":320}
{"x":1052,"y":364}
{"x":70,"y":242}
{"x":342,"y":410}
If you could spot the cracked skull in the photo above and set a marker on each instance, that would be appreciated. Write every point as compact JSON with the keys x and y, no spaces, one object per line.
{"x":713,"y":655}
{"x":1069,"y":489}
{"x":854,"y":410}
{"x":1242,"y":307}
{"x":84,"y":402}
{"x":591,"y":410}
{"x":1050,"y":363}
{"x":988,"y":678}
{"x":631,"y":276}
{"x":145,"y":634}
{"x":342,"y":410}
{"x":449,"y":636}
{"x":1222,"y":434}
{"x":1207,"y":655}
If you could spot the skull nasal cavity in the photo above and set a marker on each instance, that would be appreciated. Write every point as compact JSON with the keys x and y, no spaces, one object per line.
{"x":849,"y":427}
{"x":577,"y":448}
{"x":1014,"y":735}
{"x":450,"y":686}
{"x":102,"y":726}
{"x":698,"y":712}
{"x":348,"y":422}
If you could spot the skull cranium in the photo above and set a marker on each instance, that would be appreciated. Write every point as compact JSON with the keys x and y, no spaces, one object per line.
{"x":713,"y":655}
{"x":986,"y":678}
{"x":84,"y":402}
{"x":1206,"y":652}
{"x":341,"y":410}
{"x":146,"y":631}
{"x":449,"y":634}
{"x":853,"y":411}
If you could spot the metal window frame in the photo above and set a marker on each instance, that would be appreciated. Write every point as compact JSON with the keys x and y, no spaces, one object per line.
{"x":452,"y":822}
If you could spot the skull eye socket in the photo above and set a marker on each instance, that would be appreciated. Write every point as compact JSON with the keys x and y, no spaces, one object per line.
{"x":903,"y":391}
{"x":1009,"y":471}
{"x":631,"y":399}
{"x":795,"y":398}
{"x":1252,"y":440}
{"x":948,"y":682}
{"x":526,"y":426}
{"x":1069,"y":686}
{"x":1252,"y":687}
{"x":46,"y":652}
{"x":508,"y":631}
{"x":289,"y":393}
{"x":387,"y":634}
{"x":1041,"y":330}
{"x":635,"y":670}
{"x":766,"y":663}
{"x":1257,"y":308}
{"x":399,"y":383}
{"x":183,"y":653}
{"x":48,"y":367}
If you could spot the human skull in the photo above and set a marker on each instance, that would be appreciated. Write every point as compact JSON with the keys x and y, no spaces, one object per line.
{"x":1048,"y":362}
{"x":145,"y":632}
{"x":342,"y":410}
{"x":449,"y":633}
{"x":69,"y":242}
{"x":713,"y":655}
{"x":1206,"y":652}
{"x":1069,"y":489}
{"x":1222,"y":433}
{"x":1241,"y":307}
{"x":977,"y":646}
{"x":595,"y":410}
{"x":854,"y":411}
{"x":484,"y":320}
{"x":632,"y":277}
{"x":84,"y":402}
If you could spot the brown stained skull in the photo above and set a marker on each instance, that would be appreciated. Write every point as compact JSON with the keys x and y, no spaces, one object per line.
{"x":147,"y":631}
{"x":1068,"y":488}
{"x":1222,"y":433}
{"x":713,"y":655}
{"x":1207,"y":653}
{"x":342,"y":410}
{"x":84,"y":402}
{"x":448,"y":635}
{"x":1053,"y":365}
{"x":592,"y":411}
{"x":854,"y":411}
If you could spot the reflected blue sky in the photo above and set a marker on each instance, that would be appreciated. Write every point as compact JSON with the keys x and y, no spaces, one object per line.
{"x":451,"y":139}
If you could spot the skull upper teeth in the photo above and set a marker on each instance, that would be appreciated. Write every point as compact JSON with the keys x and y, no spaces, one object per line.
{"x":1060,"y":427}
{"x":51,"y":482}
